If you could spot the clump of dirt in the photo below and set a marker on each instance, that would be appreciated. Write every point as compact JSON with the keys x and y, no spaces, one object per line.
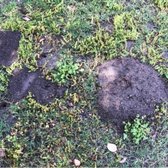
{"x":23,"y":81}
{"x":19,"y":84}
{"x":128,"y":88}
{"x":44,"y":91}
{"x":9,"y":43}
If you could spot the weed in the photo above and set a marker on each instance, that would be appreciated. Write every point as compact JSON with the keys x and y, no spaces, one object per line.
{"x":161,"y":114}
{"x":136,"y":131}
{"x":109,"y":45}
{"x":3,"y":80}
{"x":40,"y":22}
{"x":154,"y":150}
{"x":66,"y":68}
{"x":54,"y":137}
{"x":99,"y":44}
{"x":163,"y":4}
{"x":125,"y":27}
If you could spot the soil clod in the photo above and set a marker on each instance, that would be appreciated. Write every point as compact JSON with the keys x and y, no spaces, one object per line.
{"x":9,"y":43}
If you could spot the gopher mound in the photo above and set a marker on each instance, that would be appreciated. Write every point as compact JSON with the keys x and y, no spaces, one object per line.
{"x":43,"y":91}
{"x":128,"y":88}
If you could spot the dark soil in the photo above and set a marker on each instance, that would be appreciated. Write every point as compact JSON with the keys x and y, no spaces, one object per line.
{"x":19,"y":84}
{"x":128,"y":88}
{"x":129,"y":45}
{"x":9,"y":43}
{"x":108,"y":25}
{"x":151,"y":26}
{"x":43,"y":91}
{"x":165,"y":54}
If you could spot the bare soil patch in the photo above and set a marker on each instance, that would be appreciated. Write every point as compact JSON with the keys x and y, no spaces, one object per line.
{"x":9,"y":43}
{"x":44,"y":91}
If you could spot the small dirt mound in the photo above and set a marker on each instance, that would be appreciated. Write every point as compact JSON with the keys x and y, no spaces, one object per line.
{"x":128,"y":88}
{"x":9,"y":43}
{"x":20,"y":84}
{"x":23,"y":82}
{"x":45,"y":91}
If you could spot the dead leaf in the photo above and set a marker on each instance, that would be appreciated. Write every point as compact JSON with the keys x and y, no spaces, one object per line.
{"x":2,"y":153}
{"x":75,"y":98}
{"x":71,"y":8}
{"x":26,"y":18}
{"x":112,"y":147}
{"x":77,"y":162}
{"x":123,"y":160}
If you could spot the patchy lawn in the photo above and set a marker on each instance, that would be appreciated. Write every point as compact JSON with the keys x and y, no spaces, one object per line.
{"x":48,"y":91}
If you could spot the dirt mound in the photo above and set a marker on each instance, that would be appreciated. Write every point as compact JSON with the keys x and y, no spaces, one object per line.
{"x":128,"y":88}
{"x":9,"y":43}
{"x":20,"y":83}
{"x":44,"y":91}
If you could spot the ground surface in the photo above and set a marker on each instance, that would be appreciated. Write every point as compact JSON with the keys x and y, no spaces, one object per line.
{"x":48,"y":88}
{"x":23,"y":82}
{"x":9,"y":43}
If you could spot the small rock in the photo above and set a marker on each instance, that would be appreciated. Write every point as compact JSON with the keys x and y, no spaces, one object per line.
{"x":77,"y":163}
{"x":112,"y":147}
{"x":123,"y":160}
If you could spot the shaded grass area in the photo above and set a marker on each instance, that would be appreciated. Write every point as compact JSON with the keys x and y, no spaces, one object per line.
{"x":68,"y":129}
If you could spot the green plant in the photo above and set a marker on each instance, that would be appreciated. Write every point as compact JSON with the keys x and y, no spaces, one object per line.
{"x":99,"y":44}
{"x":161,"y":3}
{"x":138,"y":130}
{"x":3,"y":80}
{"x":125,"y":27}
{"x":66,"y":68}
{"x":4,"y":127}
{"x":102,"y":43}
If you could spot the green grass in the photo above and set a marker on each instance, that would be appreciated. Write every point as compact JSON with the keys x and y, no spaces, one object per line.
{"x":65,"y":70}
{"x":3,"y":80}
{"x":70,"y":128}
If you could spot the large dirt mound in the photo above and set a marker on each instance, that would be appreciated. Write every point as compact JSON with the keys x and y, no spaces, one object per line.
{"x":128,"y":88}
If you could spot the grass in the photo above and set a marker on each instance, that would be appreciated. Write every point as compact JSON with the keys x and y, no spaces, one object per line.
{"x":70,"y":128}
{"x":3,"y":80}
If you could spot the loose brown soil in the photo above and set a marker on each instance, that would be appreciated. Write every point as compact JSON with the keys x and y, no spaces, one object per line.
{"x":42,"y":90}
{"x":9,"y":43}
{"x":45,"y":91}
{"x":20,"y":83}
{"x":128,"y":88}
